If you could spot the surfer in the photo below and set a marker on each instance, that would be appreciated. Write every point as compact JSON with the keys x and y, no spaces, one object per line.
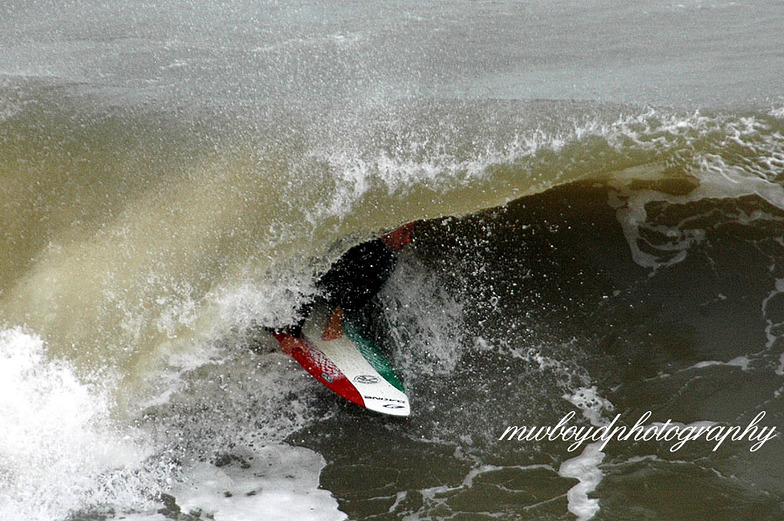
{"x":355,"y":279}
{"x":349,"y":364}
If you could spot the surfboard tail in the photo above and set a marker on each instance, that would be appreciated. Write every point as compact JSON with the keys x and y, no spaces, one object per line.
{"x":320,"y":367}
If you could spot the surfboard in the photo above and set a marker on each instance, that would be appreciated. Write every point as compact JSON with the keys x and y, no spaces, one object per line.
{"x":349,"y":365}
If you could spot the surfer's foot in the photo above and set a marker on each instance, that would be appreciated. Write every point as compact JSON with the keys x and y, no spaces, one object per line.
{"x":290,"y":343}
{"x":334,"y":329}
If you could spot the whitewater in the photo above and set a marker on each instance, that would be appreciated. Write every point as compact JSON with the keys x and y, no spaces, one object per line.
{"x":599,"y":189}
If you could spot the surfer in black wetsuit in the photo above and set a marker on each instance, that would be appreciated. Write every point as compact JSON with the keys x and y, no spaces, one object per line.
{"x":359,"y":274}
{"x":357,"y":277}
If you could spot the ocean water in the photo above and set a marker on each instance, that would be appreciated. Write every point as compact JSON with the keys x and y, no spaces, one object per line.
{"x":600,"y":194}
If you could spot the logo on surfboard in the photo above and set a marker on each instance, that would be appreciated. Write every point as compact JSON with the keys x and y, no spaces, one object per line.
{"x":366,"y":379}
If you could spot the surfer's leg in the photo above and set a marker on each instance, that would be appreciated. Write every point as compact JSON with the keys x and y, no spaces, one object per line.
{"x":304,"y":312}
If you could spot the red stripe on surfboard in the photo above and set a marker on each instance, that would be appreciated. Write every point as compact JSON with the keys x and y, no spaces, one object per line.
{"x":320,"y":367}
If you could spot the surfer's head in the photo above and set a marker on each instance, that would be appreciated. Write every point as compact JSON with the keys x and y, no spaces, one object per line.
{"x":399,"y":238}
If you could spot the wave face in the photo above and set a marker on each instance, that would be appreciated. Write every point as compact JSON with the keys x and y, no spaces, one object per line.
{"x":601,"y":230}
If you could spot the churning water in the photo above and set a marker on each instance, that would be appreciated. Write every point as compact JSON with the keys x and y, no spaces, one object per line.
{"x":601,"y":194}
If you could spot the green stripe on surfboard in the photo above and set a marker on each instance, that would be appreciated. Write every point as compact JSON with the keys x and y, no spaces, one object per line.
{"x":371,"y":354}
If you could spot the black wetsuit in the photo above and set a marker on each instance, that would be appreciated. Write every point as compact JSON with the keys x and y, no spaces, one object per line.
{"x":357,"y":276}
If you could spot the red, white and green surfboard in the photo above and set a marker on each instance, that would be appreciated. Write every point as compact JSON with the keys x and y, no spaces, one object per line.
{"x":349,"y":365}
